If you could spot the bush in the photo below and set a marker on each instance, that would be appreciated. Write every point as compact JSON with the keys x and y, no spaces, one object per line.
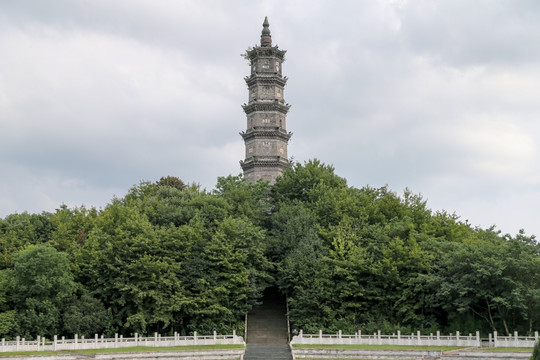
{"x":536,"y":352}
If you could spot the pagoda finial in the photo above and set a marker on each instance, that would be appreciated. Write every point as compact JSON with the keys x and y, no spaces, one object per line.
{"x":266,"y":38}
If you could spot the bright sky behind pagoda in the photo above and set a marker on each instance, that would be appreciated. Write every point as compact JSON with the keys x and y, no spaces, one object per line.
{"x":442,"y":97}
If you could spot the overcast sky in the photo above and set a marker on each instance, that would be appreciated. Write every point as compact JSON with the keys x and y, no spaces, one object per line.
{"x":442,"y":97}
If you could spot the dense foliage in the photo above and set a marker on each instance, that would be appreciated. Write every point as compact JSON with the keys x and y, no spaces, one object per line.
{"x":172,"y":257}
{"x":536,"y":351}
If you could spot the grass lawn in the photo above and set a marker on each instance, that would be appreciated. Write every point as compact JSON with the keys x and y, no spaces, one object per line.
{"x":510,"y":349}
{"x":28,"y":353}
{"x":126,"y":350}
{"x":378,"y":347}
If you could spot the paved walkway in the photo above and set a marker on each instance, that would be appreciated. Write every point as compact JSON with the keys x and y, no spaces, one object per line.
{"x":267,"y":330}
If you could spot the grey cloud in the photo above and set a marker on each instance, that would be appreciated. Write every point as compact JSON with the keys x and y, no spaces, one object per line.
{"x":473,"y":33}
{"x":100,"y":95}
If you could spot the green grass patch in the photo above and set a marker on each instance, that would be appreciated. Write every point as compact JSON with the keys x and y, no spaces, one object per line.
{"x":156,"y":349}
{"x":131,"y":349}
{"x":28,"y":353}
{"x":510,"y":349}
{"x":379,"y":347}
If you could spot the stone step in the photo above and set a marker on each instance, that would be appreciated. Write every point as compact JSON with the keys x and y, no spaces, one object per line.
{"x":268,"y":352}
{"x":267,"y":322}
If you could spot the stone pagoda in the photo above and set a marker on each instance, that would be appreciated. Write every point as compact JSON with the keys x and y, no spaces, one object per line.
{"x":266,"y":136}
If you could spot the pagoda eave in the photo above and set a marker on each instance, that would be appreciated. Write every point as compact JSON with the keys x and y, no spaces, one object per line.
{"x":273,"y":79}
{"x":269,"y":162}
{"x":262,"y":133}
{"x":266,"y":106}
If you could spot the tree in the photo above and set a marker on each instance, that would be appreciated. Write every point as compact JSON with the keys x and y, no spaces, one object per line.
{"x":305,"y":279}
{"x":132,"y":269}
{"x":70,"y":227}
{"x":20,"y":230}
{"x":86,"y":316}
{"x":472,"y":277}
{"x":247,"y":199}
{"x":522,"y":256}
{"x":42,"y":286}
{"x":287,"y":227}
{"x":7,"y":314}
{"x":171,"y":181}
{"x":296,"y":182}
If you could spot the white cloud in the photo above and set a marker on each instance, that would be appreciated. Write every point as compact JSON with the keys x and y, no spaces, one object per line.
{"x":95,"y":96}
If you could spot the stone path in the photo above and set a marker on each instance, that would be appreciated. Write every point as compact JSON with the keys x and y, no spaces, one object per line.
{"x":267,"y":330}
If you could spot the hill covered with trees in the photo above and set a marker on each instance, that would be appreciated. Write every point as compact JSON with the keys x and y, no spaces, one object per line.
{"x":173,"y":257}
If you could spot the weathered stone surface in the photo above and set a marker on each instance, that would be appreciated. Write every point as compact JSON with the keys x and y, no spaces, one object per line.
{"x":266,"y":137}
{"x":162,"y":355}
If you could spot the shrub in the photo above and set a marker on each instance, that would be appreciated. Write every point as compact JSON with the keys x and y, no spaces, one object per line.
{"x":536,"y":352}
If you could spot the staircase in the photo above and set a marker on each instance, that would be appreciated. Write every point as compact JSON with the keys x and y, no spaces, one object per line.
{"x":267,"y":329}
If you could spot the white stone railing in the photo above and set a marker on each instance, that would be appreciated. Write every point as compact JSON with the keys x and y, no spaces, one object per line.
{"x":99,"y":342}
{"x":513,"y":340}
{"x":415,"y":339}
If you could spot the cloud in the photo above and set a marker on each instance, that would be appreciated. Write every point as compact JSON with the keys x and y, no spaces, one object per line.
{"x":441,"y":97}
{"x":465,"y":33}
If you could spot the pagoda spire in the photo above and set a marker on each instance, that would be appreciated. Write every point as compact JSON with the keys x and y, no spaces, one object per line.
{"x":266,"y":38}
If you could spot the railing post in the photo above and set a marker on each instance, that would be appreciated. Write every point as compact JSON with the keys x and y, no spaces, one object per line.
{"x":17,"y":346}
{"x":55,"y":338}
{"x":398,"y":337}
{"x":195,"y":337}
{"x":478,"y":341}
{"x":38,"y":342}
{"x":136,"y":336}
{"x":320,"y":336}
{"x":457,"y":338}
{"x":75,"y":339}
{"x":516,"y":338}
{"x":115,"y":340}
{"x":301,"y":334}
{"x":96,"y":337}
{"x":490,"y":339}
{"x":215,"y":337}
{"x":155,"y":339}
{"x":535,"y":336}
